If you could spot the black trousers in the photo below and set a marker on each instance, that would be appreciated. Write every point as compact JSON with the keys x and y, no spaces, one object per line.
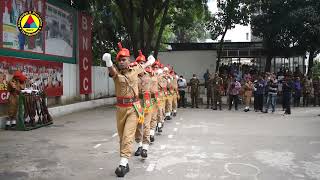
{"x":181,"y":101}
{"x":296,"y":101}
{"x":234,"y":99}
{"x":287,"y":103}
{"x":258,"y":102}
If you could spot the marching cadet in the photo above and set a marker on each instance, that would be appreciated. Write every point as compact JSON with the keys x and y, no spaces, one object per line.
{"x":156,"y":98}
{"x":163,"y":91}
{"x":218,"y":91}
{"x":128,"y":106}
{"x":143,"y":129}
{"x":195,"y":85}
{"x":16,"y":84}
{"x":175,"y":92}
{"x":168,"y":104}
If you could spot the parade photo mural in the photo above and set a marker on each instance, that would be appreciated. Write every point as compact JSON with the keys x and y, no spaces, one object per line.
{"x":41,"y":75}
{"x":59,"y":31}
{"x":12,"y":37}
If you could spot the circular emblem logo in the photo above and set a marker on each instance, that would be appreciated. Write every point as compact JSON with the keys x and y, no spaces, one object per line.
{"x":30,"y":23}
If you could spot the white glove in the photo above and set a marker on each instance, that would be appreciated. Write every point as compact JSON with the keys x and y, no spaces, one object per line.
{"x":107,"y":58}
{"x":159,"y":71}
{"x":150,"y":61}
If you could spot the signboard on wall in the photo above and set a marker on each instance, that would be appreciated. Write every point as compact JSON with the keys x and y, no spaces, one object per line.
{"x":42,"y":75}
{"x":85,"y":53}
{"x":12,"y":37}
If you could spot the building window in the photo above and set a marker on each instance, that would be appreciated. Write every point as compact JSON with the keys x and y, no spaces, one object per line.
{"x":247,"y":36}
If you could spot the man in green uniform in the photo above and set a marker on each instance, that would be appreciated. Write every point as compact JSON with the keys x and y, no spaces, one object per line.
{"x":217,"y":91}
{"x":194,"y":84}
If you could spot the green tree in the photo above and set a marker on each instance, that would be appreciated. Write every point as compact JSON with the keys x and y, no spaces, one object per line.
{"x":189,"y":19}
{"x":287,"y":27}
{"x":230,"y":13}
{"x":139,"y":24}
{"x":304,"y":27}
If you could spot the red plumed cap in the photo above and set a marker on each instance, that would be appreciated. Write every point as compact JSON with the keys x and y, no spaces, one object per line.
{"x":123,"y":52}
{"x":141,"y":57}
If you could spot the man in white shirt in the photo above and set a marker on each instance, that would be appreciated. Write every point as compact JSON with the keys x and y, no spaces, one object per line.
{"x":182,"y":85}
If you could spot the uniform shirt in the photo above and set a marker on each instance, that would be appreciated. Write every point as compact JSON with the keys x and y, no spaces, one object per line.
{"x":316,"y":87}
{"x":14,"y":87}
{"x":162,"y":84}
{"x":175,"y":84}
{"x":126,"y":82}
{"x":194,"y":83}
{"x":218,"y":84}
{"x":144,"y":83}
{"x":154,"y":84}
{"x":210,"y":85}
{"x":307,"y":86}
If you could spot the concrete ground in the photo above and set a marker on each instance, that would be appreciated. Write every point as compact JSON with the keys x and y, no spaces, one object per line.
{"x":197,"y":144}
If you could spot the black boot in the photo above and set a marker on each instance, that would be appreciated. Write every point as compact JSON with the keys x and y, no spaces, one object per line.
{"x":215,"y":108}
{"x":121,"y":171}
{"x":138,"y":152}
{"x":13,"y":126}
{"x":152,"y":139}
{"x":159,"y":129}
{"x":168,"y":118}
{"x":144,"y":153}
{"x":7,"y":127}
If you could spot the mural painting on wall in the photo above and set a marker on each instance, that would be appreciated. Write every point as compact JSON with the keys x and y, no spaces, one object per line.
{"x":42,"y":75}
{"x":12,"y":37}
{"x":56,"y":37}
{"x":59,"y":32}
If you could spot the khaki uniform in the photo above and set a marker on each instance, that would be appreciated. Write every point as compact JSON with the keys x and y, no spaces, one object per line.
{"x":169,"y":97}
{"x":126,"y":86}
{"x":210,"y":84}
{"x":14,"y":88}
{"x":174,"y":91}
{"x":218,"y":91}
{"x":156,"y":101}
{"x":248,"y":88}
{"x":143,"y":130}
{"x":162,"y":84}
{"x":307,"y":88}
{"x":195,"y":84}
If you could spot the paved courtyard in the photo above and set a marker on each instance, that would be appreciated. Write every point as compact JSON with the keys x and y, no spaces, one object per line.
{"x":197,"y":144}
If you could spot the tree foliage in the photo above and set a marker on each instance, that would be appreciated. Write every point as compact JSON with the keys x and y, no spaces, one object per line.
{"x":287,"y":27}
{"x":189,"y":19}
{"x":230,"y":13}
